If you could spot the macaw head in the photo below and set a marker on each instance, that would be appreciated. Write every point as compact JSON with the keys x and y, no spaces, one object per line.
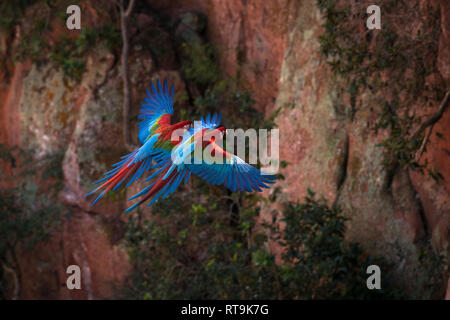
{"x":185,"y":124}
{"x":176,"y":131}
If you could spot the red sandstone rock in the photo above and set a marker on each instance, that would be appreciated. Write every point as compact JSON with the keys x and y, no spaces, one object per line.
{"x":82,"y":240}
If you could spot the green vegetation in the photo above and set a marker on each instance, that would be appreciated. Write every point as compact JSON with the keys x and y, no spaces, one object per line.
{"x":216,"y":93}
{"x":67,"y":52}
{"x":15,"y":10}
{"x":199,"y":63}
{"x":392,"y":64}
{"x":214,"y":250}
{"x":29,"y":214}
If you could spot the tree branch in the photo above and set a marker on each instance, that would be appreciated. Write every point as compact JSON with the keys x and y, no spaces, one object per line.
{"x":129,"y":8}
{"x":8,"y":269}
{"x":13,"y":270}
{"x":434,"y":118}
{"x":124,"y":15}
{"x":430,"y":122}
{"x":424,"y":143}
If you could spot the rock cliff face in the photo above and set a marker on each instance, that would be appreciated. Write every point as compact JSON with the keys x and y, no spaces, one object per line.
{"x":273,"y":47}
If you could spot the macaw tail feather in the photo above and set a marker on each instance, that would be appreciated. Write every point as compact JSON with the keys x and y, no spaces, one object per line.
{"x":126,"y":170}
{"x":164,"y":184}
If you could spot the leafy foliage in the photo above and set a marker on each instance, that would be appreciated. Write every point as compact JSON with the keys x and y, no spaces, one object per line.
{"x":28,"y":214}
{"x":210,"y":252}
{"x":394,"y":64}
{"x":317,"y":261}
{"x":215,"y":93}
{"x":14,"y":10}
{"x":68,"y":53}
{"x":199,"y":63}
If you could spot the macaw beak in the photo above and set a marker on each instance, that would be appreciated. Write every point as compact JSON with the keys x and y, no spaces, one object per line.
{"x":221,"y":130}
{"x":184,"y":124}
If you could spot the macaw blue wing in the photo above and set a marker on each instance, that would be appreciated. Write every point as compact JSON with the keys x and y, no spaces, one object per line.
{"x":233,"y":172}
{"x":162,"y":183}
{"x":171,"y":172}
{"x":156,"y":110}
{"x":128,"y":170}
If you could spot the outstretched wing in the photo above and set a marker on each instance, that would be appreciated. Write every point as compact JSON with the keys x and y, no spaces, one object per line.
{"x":164,"y":181}
{"x":211,"y":122}
{"x":129,"y":169}
{"x":156,"y":110}
{"x":170,"y":174}
{"x":233,"y":172}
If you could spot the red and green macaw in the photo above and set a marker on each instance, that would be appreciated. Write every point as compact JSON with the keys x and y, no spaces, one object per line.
{"x":174,"y":160}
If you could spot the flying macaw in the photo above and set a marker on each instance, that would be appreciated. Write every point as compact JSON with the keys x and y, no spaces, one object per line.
{"x":176,"y":159}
